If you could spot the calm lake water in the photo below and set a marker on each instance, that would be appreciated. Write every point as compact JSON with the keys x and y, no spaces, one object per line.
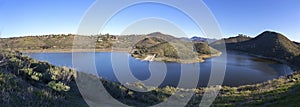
{"x":241,"y":69}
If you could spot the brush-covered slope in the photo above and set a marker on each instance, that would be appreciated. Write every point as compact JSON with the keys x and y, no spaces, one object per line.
{"x":27,"y":82}
{"x":270,"y":44}
{"x":58,"y":41}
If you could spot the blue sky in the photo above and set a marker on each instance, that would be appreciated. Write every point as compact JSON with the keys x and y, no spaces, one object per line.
{"x":250,"y":17}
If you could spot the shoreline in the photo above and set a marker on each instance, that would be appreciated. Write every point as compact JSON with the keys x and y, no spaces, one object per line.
{"x":204,"y":56}
{"x":293,"y":67}
{"x":75,"y":50}
{"x":200,"y":59}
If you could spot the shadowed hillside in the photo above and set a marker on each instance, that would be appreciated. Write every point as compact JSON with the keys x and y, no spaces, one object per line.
{"x":272,"y":45}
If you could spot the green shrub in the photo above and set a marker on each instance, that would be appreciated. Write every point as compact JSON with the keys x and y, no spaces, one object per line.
{"x":58,"y":86}
{"x":36,"y":76}
{"x":27,"y":71}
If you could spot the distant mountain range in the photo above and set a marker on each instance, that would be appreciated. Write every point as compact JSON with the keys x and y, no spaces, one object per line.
{"x":198,"y":39}
{"x":201,"y":39}
{"x":239,"y":38}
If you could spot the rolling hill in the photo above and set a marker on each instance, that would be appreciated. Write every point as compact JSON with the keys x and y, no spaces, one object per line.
{"x":55,"y":42}
{"x":201,"y":39}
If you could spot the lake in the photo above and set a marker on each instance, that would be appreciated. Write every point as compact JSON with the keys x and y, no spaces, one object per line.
{"x":241,"y":69}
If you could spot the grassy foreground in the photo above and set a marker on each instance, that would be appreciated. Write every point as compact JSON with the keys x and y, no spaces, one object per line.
{"x":28,"y":82}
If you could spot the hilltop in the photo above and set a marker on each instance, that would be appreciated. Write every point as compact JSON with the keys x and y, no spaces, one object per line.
{"x":161,"y":47}
{"x":297,"y":43}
